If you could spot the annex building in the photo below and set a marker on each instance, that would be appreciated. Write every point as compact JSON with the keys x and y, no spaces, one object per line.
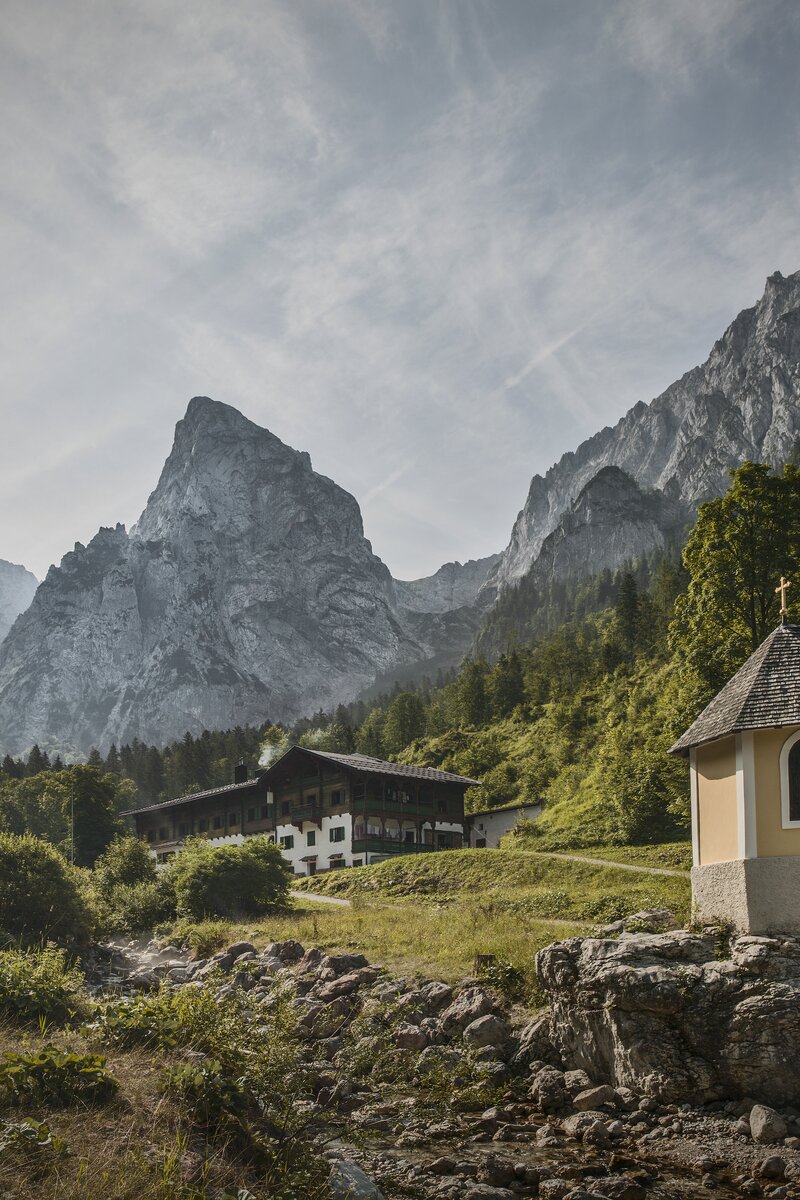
{"x":325,"y":810}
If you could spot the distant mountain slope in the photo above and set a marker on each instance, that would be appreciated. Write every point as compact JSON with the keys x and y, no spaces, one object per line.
{"x":742,"y":403}
{"x":17,"y":588}
{"x":246,"y":592}
{"x":454,"y":585}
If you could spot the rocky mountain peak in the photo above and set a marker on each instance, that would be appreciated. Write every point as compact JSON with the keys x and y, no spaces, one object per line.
{"x":17,"y":589}
{"x":742,"y":403}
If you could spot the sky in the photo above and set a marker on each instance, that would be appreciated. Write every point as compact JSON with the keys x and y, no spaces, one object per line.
{"x":435,"y":243}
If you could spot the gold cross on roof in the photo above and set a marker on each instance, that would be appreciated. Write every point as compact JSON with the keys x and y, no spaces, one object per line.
{"x":782,"y":588}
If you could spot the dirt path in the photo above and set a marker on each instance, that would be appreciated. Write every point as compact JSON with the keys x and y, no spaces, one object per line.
{"x":606,"y":862}
{"x":322,"y":899}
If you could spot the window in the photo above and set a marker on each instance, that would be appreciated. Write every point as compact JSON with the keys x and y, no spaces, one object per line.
{"x":337,"y":834}
{"x":358,"y":862}
{"x":311,"y":838}
{"x":233,"y":818}
{"x":408,"y":836}
{"x":790,"y":782}
{"x":218,"y":822}
{"x":359,"y":791}
{"x":264,"y":811}
{"x":287,"y":843}
{"x":284,"y":808}
{"x":151,"y":835}
{"x":311,"y":798}
{"x":442,"y":806}
{"x":183,"y":829}
{"x":203,"y":824}
{"x":251,"y":814}
{"x":162,"y":835}
{"x":336,"y":798}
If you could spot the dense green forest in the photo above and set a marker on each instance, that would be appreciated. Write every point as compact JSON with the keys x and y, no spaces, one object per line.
{"x":579,"y":718}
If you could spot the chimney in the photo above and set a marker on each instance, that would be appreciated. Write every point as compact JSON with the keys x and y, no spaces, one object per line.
{"x":240,"y":772}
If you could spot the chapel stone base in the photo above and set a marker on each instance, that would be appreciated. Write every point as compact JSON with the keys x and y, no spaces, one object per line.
{"x":754,"y":895}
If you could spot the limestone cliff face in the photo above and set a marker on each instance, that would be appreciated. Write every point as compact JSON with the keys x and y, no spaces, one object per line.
{"x":742,"y":403}
{"x":246,"y":591}
{"x":453,"y":586}
{"x":17,"y":587}
{"x":611,"y":520}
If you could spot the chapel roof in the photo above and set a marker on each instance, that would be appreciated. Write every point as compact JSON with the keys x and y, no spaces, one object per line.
{"x":764,"y":693}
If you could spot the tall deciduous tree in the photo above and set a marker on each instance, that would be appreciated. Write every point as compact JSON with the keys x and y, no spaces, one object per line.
{"x":735,"y":555}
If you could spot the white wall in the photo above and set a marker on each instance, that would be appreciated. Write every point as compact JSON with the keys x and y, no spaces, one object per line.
{"x":493,"y":825}
{"x":324,"y":846}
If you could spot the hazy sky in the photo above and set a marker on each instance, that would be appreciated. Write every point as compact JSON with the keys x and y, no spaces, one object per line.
{"x":433,"y":242}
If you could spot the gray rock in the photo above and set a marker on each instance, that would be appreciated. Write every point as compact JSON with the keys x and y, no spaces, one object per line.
{"x":766,"y":1125}
{"x":663,"y":1015}
{"x":471,"y":1003}
{"x":773,"y":1167}
{"x":548,"y":1089}
{"x":409,"y":1037}
{"x":487,"y":1031}
{"x":348,"y":1182}
{"x":596,"y":1097}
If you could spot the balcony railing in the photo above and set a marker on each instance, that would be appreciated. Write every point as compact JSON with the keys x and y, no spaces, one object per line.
{"x":377,"y":845}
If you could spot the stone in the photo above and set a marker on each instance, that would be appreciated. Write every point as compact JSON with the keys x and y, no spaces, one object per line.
{"x":548,"y":1089}
{"x":471,"y":1003}
{"x":618,"y":1187}
{"x":596,"y":1134}
{"x":766,"y":1125}
{"x":343,"y":964}
{"x":773,"y":1167}
{"x":536,"y":1044}
{"x":348,"y":1182}
{"x":488,"y":1030}
{"x":442,"y":1166}
{"x":345,"y":985}
{"x":496,"y":1170}
{"x":409,"y":1037}
{"x":484,"y":1191}
{"x":596,"y":1097}
{"x":554,"y":1189}
{"x":576,"y":1082}
{"x":663,"y":1015}
{"x":435,"y":996}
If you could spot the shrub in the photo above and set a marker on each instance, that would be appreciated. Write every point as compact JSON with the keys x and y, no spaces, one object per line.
{"x":38,"y":984}
{"x":211,"y":1095}
{"x":125,"y":863}
{"x":29,"y":1144}
{"x":56,"y":1077}
{"x":204,"y":937}
{"x":229,"y":881}
{"x":140,"y":907}
{"x":40,"y":896}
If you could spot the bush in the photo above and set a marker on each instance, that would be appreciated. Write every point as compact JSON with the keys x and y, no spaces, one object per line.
{"x":140,"y":907}
{"x":55,"y":1077}
{"x":38,"y":984}
{"x":211,"y":1095}
{"x":125,"y":863}
{"x":40,"y":895}
{"x":229,"y":881}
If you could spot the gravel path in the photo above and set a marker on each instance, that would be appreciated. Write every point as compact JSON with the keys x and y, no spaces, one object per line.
{"x":606,"y":862}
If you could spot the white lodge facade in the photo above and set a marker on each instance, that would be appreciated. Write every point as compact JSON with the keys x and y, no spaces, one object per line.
{"x":325,"y":810}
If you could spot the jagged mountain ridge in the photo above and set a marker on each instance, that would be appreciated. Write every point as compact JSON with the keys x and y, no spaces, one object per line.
{"x":17,"y":588}
{"x":742,"y":403}
{"x":246,"y":591}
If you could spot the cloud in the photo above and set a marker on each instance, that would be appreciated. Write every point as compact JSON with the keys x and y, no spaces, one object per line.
{"x":434,"y":245}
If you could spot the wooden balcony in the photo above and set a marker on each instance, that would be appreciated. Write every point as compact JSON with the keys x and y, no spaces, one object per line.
{"x":379,"y":845}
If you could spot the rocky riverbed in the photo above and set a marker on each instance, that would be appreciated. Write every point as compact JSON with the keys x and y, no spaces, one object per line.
{"x":458,"y":1095}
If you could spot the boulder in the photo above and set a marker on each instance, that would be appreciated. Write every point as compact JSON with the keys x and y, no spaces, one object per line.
{"x":596,"y":1097}
{"x":471,"y":1003}
{"x":435,"y":996}
{"x":766,"y":1125}
{"x":548,"y":1089}
{"x":348,"y":1182}
{"x":487,"y":1031}
{"x":410,"y":1037}
{"x":664,"y":1015}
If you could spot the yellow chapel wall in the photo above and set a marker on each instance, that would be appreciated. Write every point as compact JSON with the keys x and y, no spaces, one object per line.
{"x":771,"y":838}
{"x":717,"y":815}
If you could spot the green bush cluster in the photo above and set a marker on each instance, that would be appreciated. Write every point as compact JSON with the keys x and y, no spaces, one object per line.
{"x":55,"y":1077}
{"x":41,"y":898}
{"x":229,"y":881}
{"x":39,"y":985}
{"x":30,"y":1145}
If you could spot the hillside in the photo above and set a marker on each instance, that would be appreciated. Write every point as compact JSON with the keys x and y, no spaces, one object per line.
{"x":515,"y":882}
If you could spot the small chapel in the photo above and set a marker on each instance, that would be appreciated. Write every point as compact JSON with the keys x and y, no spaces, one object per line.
{"x":744,"y":763}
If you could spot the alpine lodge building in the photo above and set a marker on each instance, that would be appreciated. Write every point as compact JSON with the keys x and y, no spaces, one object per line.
{"x":325,"y":811}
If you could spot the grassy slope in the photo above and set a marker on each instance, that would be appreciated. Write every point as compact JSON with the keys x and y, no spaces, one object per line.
{"x":512,"y":881}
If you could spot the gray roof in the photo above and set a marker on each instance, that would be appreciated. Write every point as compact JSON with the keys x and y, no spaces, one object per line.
{"x":378,"y":766}
{"x":218,"y":791}
{"x":763,"y":694}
